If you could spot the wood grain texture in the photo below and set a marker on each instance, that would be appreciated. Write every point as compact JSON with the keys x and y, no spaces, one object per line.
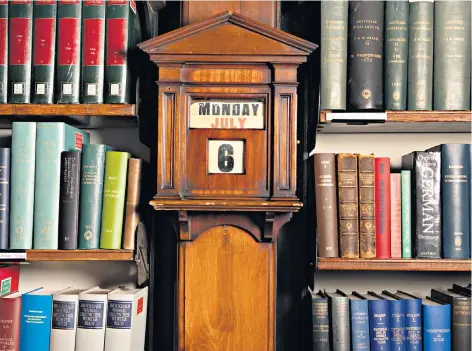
{"x":117,"y":110}
{"x":420,"y":116}
{"x":225,"y":205}
{"x":79,"y":255}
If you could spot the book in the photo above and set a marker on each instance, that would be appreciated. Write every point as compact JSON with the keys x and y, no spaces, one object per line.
{"x":91,"y":195}
{"x":36,"y":312}
{"x":359,"y":323}
{"x":320,"y":321}
{"x":406,"y":213}
{"x":44,"y":50}
{"x":365,"y":60}
{"x":9,"y":278}
{"x":339,"y":321}
{"x":396,"y":54}
{"x":348,"y":205}
{"x":3,"y":51}
{"x":69,"y":15}
{"x":64,"y":319}
{"x":382,"y":207}
{"x":10,"y":317}
{"x":114,"y":189}
{"x":93,"y":51}
{"x":452,"y":55}
{"x":69,"y":200}
{"x":379,"y":323}
{"x":326,"y":205}
{"x":20,"y":14}
{"x":366,"y":167}
{"x":420,"y":55}
{"x":23,"y":156}
{"x":133,"y":201}
{"x":334,"y":16}
{"x":126,"y":319}
{"x":463,"y":290}
{"x":413,"y":321}
{"x":92,"y":320}
{"x":455,"y":199}
{"x":395,"y":216}
{"x":397,"y":321}
{"x":461,"y":313}
{"x":52,"y":138}
{"x":436,"y":326}
{"x":4,"y":197}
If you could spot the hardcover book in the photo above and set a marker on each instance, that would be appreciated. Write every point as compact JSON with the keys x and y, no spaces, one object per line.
{"x":339,"y":321}
{"x":10,"y":317}
{"x":320,"y":321}
{"x":397,"y":321}
{"x":395,"y":216}
{"x":379,"y":323}
{"x":406,"y":213}
{"x":359,"y":323}
{"x":382,"y":207}
{"x":4,"y":197}
{"x":366,"y":206}
{"x":413,"y":321}
{"x":436,"y":326}
{"x":9,"y":279}
{"x":133,"y":201}
{"x":3,"y":51}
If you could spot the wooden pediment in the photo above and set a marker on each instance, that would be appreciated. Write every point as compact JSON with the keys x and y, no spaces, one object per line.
{"x":226,"y":37}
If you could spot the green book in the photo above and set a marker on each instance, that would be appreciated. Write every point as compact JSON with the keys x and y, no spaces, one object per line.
{"x":114,"y":191}
{"x":406,"y":213}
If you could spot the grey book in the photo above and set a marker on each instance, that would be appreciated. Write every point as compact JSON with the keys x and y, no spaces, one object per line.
{"x":339,"y":324}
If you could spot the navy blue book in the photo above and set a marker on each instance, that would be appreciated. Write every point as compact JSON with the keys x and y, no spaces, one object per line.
{"x":413,"y":321}
{"x":359,"y":323}
{"x":436,"y":326}
{"x":378,"y":323}
{"x":397,"y":322}
{"x":4,"y":197}
{"x":320,"y":320}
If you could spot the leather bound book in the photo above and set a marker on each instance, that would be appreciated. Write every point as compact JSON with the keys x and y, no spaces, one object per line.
{"x":326,"y":205}
{"x":406,"y":213}
{"x":348,"y":205}
{"x":3,"y":51}
{"x":382,"y":207}
{"x":10,"y":316}
{"x":4,"y":197}
{"x":132,"y":210}
{"x":365,"y":62}
{"x":366,"y":206}
{"x":320,"y":320}
{"x":395,"y":216}
{"x":339,"y":321}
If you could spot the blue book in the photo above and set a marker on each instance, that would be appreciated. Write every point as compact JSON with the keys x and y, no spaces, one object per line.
{"x":4,"y":197}
{"x":51,"y":140}
{"x":378,"y":323}
{"x":413,"y":321}
{"x":397,"y":322}
{"x":436,"y":326}
{"x":23,"y":153}
{"x":35,"y":325}
{"x":359,"y":323}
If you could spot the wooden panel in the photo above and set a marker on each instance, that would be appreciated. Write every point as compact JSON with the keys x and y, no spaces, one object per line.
{"x":227,"y":297}
{"x":79,"y":255}
{"x":245,"y":74}
{"x":225,"y":205}
{"x":118,"y":110}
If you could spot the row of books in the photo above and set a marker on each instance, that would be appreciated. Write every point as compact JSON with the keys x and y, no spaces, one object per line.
{"x":55,"y":51}
{"x":363,"y":210}
{"x":395,"y":55}
{"x":74,"y":319}
{"x":59,"y":191}
{"x":392,"y":321}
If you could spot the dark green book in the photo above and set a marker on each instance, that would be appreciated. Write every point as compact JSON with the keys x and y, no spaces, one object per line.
{"x":20,"y":15}
{"x":44,"y":51}
{"x":420,"y":56}
{"x":452,"y":55}
{"x":396,"y":54}
{"x":3,"y":51}
{"x":68,"y":52}
{"x":93,"y":51}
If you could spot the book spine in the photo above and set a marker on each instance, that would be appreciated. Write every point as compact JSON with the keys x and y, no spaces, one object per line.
{"x":20,"y":42}
{"x":91,"y":323}
{"x":348,"y":205}
{"x":326,"y":205}
{"x":382,"y":208}
{"x":69,"y":200}
{"x":10,"y":312}
{"x":334,"y":15}
{"x":320,"y":320}
{"x":413,"y":325}
{"x":36,"y":311}
{"x":395,"y":216}
{"x":406,"y":213}
{"x":93,"y":51}
{"x":366,"y":206}
{"x":397,"y":311}
{"x":365,"y":72}
{"x":114,"y":189}
{"x":68,"y":51}
{"x":428,"y":204}
{"x":396,"y":54}
{"x":9,"y":279}
{"x":340,"y":324}
{"x":4,"y":198}
{"x":461,"y":325}
{"x":379,"y":325}
{"x":455,"y":179}
{"x":64,"y":323}
{"x":91,"y":195}
{"x":44,"y":50}
{"x":118,"y":332}
{"x":360,"y":325}
{"x":133,"y":197}
{"x":3,"y":51}
{"x":420,"y":56}
{"x":437,"y":328}
{"x":22,"y":184}
{"x":452,"y":55}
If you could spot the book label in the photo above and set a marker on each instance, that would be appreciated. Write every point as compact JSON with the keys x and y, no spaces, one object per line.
{"x":20,"y":2}
{"x":119,"y":314}
{"x":117,"y":2}
{"x":43,"y":39}
{"x":69,"y":50}
{"x":356,"y":116}
{"x":116,"y":43}
{"x":45,"y":2}
{"x":3,"y":33}
{"x":93,"y":32}
{"x":19,"y":32}
{"x":63,"y":315}
{"x":140,"y":305}
{"x":94,"y":2}
{"x":91,"y":314}
{"x":17,"y":256}
{"x":79,"y":141}
{"x":5,"y":286}
{"x":69,"y":2}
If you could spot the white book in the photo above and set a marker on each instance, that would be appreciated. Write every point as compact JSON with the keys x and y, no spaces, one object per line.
{"x":91,"y":320}
{"x":126,"y":319}
{"x":64,"y":319}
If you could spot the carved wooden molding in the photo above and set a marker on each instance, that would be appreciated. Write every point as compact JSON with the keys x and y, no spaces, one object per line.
{"x":225,"y":205}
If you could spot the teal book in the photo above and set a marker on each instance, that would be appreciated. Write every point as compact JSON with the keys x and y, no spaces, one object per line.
{"x":91,"y":195}
{"x":23,"y":153}
{"x":406,"y":213}
{"x":51,"y":140}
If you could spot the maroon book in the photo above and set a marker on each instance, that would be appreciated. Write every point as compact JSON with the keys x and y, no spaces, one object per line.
{"x":382,"y":207}
{"x":10,"y":315}
{"x":395,"y":216}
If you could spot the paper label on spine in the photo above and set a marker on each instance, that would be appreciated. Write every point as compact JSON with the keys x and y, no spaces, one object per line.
{"x":119,"y":314}
{"x":93,"y":34}
{"x":91,"y":314}
{"x":116,"y":41}
{"x":19,"y":40}
{"x":63,"y":315}
{"x":69,"y":46}
{"x":43,"y":41}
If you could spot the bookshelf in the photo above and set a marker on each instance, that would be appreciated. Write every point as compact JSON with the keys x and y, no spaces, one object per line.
{"x":65,"y":255}
{"x":115,"y":110}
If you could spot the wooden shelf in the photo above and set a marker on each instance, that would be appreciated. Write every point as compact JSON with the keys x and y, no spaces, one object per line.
{"x":117,"y":110}
{"x":418,"y":265}
{"x":403,"y":122}
{"x":65,"y":255}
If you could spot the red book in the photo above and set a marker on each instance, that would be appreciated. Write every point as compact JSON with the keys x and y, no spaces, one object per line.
{"x":10,"y":315}
{"x":396,"y":215}
{"x":382,"y":207}
{"x":9,"y":279}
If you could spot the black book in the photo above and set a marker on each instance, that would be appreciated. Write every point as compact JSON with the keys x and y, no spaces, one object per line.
{"x":69,"y":200}
{"x":320,"y":320}
{"x":339,"y":321}
{"x":365,"y":58}
{"x":4,"y":197}
{"x":459,"y":289}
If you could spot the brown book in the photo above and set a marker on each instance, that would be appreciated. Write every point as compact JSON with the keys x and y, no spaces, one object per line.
{"x":348,"y":205}
{"x":326,"y":205}
{"x":395,"y":216}
{"x":133,"y":194}
{"x":10,"y":315}
{"x":366,"y":206}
